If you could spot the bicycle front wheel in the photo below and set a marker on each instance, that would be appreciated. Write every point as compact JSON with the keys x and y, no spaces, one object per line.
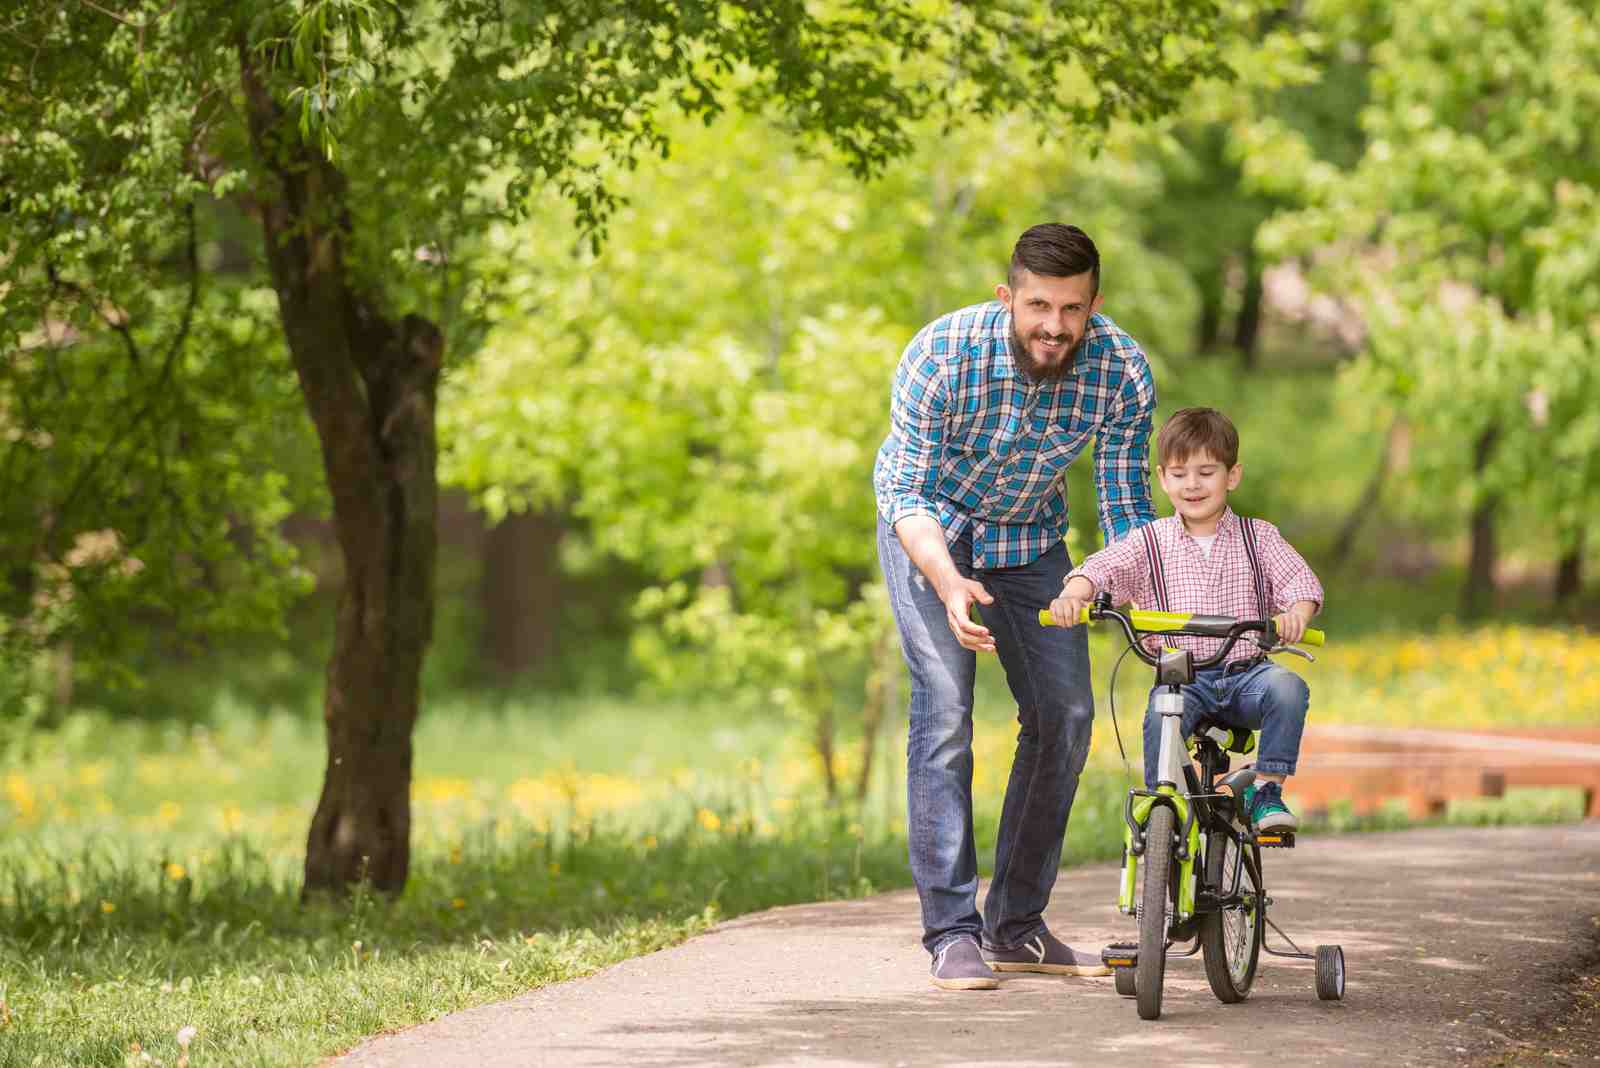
{"x":1154,"y":899}
{"x":1230,"y":938}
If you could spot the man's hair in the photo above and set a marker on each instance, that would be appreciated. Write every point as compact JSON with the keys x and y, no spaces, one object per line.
{"x":1056,"y":250}
{"x":1196,"y":430}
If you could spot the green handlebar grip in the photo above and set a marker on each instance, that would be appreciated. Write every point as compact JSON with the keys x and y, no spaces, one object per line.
{"x":1165,"y":622}
{"x":1048,"y":620}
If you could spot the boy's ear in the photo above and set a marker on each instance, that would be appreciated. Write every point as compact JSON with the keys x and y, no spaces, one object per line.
{"x":1234,"y":474}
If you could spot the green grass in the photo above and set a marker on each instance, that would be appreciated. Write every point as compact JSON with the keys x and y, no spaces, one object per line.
{"x":149,"y":872}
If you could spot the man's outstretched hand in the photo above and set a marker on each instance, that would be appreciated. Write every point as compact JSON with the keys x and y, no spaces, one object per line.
{"x":958,"y":598}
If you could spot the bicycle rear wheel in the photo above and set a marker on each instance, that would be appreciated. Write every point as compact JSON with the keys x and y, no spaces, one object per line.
{"x":1230,"y":938}
{"x":1156,"y":895}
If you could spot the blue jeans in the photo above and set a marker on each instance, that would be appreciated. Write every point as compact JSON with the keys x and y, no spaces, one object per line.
{"x":1268,"y":698}
{"x":1047,"y":669}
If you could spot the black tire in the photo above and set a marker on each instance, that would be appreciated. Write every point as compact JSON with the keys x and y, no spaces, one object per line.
{"x":1330,"y":973}
{"x":1124,"y":979}
{"x":1230,"y":939}
{"x":1157,"y":893}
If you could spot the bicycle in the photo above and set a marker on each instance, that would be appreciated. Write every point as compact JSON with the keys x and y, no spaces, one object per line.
{"x":1200,"y":859}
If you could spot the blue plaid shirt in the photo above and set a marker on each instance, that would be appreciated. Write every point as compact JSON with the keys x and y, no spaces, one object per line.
{"x":973,"y":442}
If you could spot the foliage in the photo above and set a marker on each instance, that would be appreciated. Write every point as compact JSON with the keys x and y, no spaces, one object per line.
{"x":1457,"y":232}
{"x":708,"y":393}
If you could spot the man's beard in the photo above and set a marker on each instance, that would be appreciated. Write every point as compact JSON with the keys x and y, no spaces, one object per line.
{"x":1036,"y":371}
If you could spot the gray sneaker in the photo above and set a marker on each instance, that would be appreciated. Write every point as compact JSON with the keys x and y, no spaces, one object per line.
{"x":1044,"y":952}
{"x":959,"y":966}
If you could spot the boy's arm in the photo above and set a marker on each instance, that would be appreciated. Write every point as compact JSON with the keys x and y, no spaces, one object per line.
{"x":1296,"y":592}
{"x":1118,"y":569}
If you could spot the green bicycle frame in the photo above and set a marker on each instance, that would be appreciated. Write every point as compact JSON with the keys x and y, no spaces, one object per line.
{"x":1186,"y":868}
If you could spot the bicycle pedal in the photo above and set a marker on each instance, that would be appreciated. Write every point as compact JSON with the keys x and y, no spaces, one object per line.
{"x":1275,"y":839}
{"x":1120,"y":955}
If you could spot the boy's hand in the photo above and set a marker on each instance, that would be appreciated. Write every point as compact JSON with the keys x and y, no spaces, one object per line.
{"x":1293,"y":623}
{"x":1077,"y":593}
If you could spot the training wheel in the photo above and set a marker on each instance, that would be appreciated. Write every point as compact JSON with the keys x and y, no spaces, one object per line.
{"x":1330,"y":973}
{"x":1124,"y":981}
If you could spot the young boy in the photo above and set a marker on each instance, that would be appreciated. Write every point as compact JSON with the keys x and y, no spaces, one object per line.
{"x":1207,"y":559}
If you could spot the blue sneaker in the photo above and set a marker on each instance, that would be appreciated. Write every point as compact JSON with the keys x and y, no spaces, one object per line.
{"x":1266,"y":809}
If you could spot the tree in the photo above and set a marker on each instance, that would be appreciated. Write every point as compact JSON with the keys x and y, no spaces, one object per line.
{"x":371,"y":144}
{"x":723,"y":446}
{"x":1458,"y":232}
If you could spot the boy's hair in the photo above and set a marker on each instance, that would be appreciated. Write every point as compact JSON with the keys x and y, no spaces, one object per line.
{"x":1193,"y":430}
{"x":1057,"y":251}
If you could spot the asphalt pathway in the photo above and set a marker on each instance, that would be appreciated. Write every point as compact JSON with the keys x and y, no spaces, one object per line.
{"x":1452,"y":938}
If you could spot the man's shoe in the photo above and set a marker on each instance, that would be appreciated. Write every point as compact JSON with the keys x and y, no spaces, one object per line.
{"x":1267,"y":811}
{"x":1044,"y":952}
{"x":959,"y":966}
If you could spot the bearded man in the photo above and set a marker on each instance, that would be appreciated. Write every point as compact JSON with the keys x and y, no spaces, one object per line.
{"x":988,"y":407}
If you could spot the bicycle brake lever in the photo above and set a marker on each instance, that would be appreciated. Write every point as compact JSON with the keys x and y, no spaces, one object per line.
{"x":1293,"y":650}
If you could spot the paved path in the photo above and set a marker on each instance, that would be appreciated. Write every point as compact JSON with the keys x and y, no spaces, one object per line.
{"x":1449,"y":936}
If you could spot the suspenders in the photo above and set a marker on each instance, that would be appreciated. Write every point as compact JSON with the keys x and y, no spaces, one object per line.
{"x":1158,"y":574}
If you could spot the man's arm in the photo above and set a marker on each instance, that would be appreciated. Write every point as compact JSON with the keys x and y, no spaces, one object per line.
{"x":1122,"y":448}
{"x":917,"y":403}
{"x":917,"y":406}
{"x":923,"y":539}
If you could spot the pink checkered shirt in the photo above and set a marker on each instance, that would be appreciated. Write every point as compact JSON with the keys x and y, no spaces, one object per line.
{"x":1221,"y":585}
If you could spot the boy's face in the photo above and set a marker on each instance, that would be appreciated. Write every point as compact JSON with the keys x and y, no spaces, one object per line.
{"x":1199,"y":485}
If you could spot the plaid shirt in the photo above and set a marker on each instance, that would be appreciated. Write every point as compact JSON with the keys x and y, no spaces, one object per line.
{"x":1219,"y":585}
{"x":974,"y":443}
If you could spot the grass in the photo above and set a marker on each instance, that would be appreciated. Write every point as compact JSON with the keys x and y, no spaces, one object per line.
{"x":148,"y":873}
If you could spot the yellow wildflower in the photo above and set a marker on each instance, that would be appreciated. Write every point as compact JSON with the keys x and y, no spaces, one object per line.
{"x":708,"y":819}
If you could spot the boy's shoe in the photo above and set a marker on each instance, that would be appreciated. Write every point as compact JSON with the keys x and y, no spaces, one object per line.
{"x":1267,"y":811}
{"x":959,"y":966}
{"x":1044,"y":952}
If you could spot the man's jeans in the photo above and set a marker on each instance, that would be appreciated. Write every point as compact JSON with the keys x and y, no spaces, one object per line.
{"x":1048,"y":672}
{"x":1268,"y":698}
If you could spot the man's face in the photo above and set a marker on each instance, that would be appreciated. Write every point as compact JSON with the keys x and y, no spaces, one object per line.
{"x":1049,"y":316}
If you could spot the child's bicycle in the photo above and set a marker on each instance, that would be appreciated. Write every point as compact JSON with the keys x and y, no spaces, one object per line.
{"x":1201,"y":860}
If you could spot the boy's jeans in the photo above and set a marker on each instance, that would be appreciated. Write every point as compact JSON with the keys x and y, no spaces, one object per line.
{"x":1268,"y":698}
{"x":1048,"y":672}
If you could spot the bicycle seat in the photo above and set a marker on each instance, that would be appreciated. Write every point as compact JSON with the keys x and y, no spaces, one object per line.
{"x":1231,"y":739}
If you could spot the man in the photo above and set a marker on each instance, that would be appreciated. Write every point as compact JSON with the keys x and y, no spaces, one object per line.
{"x":989,"y":406}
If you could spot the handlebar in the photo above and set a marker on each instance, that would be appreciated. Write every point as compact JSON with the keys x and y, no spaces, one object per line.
{"x":1188,"y":623}
{"x":1138,"y":625}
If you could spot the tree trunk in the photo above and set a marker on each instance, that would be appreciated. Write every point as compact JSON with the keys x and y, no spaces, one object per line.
{"x":874,"y":710}
{"x":1209,"y":328}
{"x":521,"y":578}
{"x":1479,"y":589}
{"x":1247,"y":328}
{"x":1569,"y":572}
{"x":1344,"y":542}
{"x":369,"y":384}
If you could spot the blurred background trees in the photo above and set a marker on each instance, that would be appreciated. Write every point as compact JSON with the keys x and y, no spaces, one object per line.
{"x":1371,"y":243}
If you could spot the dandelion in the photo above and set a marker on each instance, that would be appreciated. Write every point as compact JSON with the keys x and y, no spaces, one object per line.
{"x":650,"y":841}
{"x":231,"y":817}
{"x":708,"y":819}
{"x":185,"y":1036}
{"x":108,"y":907}
{"x":176,"y":871}
{"x":458,"y":902}
{"x":167,"y":813}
